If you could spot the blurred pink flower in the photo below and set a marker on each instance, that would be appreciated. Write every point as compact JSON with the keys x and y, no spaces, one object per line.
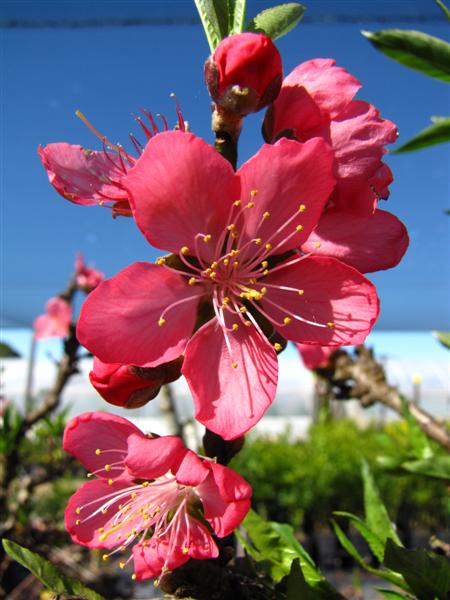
{"x":236,"y":236}
{"x":87,"y":278}
{"x":55,"y":322}
{"x":315,"y":357}
{"x":151,"y":494}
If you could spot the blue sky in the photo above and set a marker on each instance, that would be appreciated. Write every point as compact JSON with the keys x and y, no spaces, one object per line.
{"x":110,"y":72}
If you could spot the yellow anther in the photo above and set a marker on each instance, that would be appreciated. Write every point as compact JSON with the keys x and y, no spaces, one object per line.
{"x":214,"y":265}
{"x":133,"y":577}
{"x":110,"y":481}
{"x":263,"y":290}
{"x":253,"y":193}
{"x":287,"y":320}
{"x":234,"y":365}
{"x":185,"y":550}
{"x":300,"y":292}
{"x":266,"y":272}
{"x":258,"y":241}
{"x":317,"y":244}
{"x":237,"y":203}
{"x":301,"y":208}
{"x":248,"y":323}
{"x":192,"y":281}
{"x":299,"y":228}
{"x":226,"y":300}
{"x":252,"y":280}
{"x":104,"y":511}
{"x":207,"y":271}
{"x":264,"y":264}
{"x":242,"y":295}
{"x":102,"y":537}
{"x":234,"y":252}
{"x":184,"y":250}
{"x":207,"y":237}
{"x":161,"y":261}
{"x":330,"y":325}
{"x":105,"y":557}
{"x":231,"y":227}
{"x":133,"y":495}
{"x":250,"y":204}
{"x":243,"y":309}
{"x":77,"y":522}
{"x":226,"y":261}
{"x":277,"y":346}
{"x":122,"y":565}
{"x":236,"y":263}
{"x":268,"y":246}
{"x":156,"y":583}
{"x":134,"y":531}
{"x":213,"y":275}
{"x":161,"y":322}
{"x":235,"y":235}
{"x":120,"y":506}
{"x":98,"y":451}
{"x":235,"y":327}
{"x":266,"y":214}
{"x":101,"y":530}
{"x":78,"y":510}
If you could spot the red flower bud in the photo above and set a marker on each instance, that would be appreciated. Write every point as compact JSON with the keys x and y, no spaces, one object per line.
{"x":244,"y":74}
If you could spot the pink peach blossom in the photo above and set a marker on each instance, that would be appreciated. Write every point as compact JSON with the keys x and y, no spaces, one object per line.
{"x":236,"y":236}
{"x":55,"y":322}
{"x":150,"y":495}
{"x":315,"y":357}
{"x":87,"y":278}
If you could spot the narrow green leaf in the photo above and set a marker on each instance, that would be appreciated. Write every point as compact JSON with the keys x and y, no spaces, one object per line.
{"x":377,"y":518}
{"x":277,"y":21}
{"x":438,"y":133}
{"x":445,"y":10}
{"x":436,"y":466}
{"x":418,"y":440}
{"x":296,"y":586}
{"x":375,"y":543}
{"x":391,"y":595}
{"x":443,"y":336}
{"x":48,"y":574}
{"x":222,"y":9}
{"x":427,"y":573}
{"x":210,"y":22}
{"x":236,"y":16}
{"x":414,"y":49}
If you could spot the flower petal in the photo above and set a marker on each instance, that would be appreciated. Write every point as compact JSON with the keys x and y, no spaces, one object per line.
{"x":340,"y":304}
{"x":315,"y":357}
{"x":285,"y":176}
{"x":367,"y":243}
{"x":92,"y":435}
{"x":119,"y":319}
{"x":230,"y":401}
{"x":225,"y":496}
{"x":83,"y":176}
{"x":151,"y":458}
{"x":56,"y":321}
{"x":192,"y":470}
{"x":180,"y":187}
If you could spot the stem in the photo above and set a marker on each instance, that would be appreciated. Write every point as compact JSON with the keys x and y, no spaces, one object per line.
{"x":227,"y":129}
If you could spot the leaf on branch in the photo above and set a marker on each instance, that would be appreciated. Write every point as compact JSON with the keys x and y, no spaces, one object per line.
{"x":443,"y":336}
{"x":236,"y":16}
{"x":427,"y":573}
{"x":436,"y":466}
{"x":445,"y":10}
{"x":437,"y":133}
{"x":296,"y":586}
{"x":391,"y":595}
{"x":277,"y":21}
{"x":210,"y":21}
{"x":48,"y":574}
{"x":414,"y":49}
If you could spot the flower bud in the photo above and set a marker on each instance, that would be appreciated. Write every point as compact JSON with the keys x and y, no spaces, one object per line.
{"x":244,"y":74}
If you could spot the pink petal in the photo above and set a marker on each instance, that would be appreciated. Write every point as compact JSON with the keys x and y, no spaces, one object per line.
{"x":230,"y":401}
{"x":334,"y":294}
{"x":119,"y":319}
{"x":315,"y":357}
{"x":180,"y":187}
{"x":225,"y":496}
{"x":84,"y":528}
{"x":367,"y":243}
{"x":151,"y":458}
{"x":285,"y":176}
{"x":331,"y":87}
{"x":192,"y":470}
{"x":83,"y":176}
{"x":149,"y":560}
{"x":56,"y":321}
{"x":294,"y":112}
{"x":92,"y":431}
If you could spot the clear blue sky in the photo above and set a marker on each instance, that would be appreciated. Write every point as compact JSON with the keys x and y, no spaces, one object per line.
{"x":109,"y":72}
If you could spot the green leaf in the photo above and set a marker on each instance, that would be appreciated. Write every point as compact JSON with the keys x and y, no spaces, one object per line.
{"x":391,"y":595}
{"x":236,"y":16}
{"x":48,"y":574}
{"x":414,"y":49}
{"x":296,"y":586}
{"x":394,"y":578}
{"x":375,"y":543}
{"x":420,"y":444}
{"x":277,"y":21}
{"x":445,"y":10}
{"x":438,"y":133}
{"x":443,"y":336}
{"x":436,"y":466}
{"x":210,"y":21}
{"x":427,"y":574}
{"x":377,"y":518}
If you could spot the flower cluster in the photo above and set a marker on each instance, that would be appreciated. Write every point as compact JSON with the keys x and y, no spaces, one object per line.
{"x":270,"y":253}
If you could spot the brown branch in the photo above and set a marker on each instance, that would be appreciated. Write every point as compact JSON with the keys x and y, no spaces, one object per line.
{"x":362,"y":377}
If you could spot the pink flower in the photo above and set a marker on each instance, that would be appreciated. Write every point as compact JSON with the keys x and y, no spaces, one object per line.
{"x":315,"y":357}
{"x":236,"y":236}
{"x":129,"y":386}
{"x":316,"y":100}
{"x":151,"y":494}
{"x":55,"y":322}
{"x":87,"y":278}
{"x":244,"y":74}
